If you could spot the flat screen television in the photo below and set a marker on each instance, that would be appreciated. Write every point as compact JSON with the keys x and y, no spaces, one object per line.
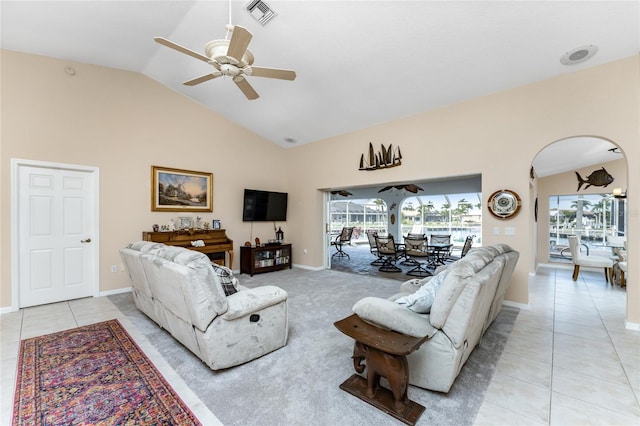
{"x":264,"y":206}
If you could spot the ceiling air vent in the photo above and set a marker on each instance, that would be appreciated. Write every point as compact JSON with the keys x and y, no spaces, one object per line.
{"x":261,"y":11}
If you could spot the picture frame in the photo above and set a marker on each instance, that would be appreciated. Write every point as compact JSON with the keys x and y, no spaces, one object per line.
{"x":178,"y":190}
{"x":216,"y":224}
{"x":504,"y":204}
{"x":185,"y":222}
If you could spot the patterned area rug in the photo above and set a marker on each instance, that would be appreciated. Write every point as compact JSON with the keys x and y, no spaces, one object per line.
{"x":94,"y":374}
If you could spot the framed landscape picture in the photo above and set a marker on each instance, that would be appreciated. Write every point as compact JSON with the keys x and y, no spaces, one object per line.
{"x":176,"y":190}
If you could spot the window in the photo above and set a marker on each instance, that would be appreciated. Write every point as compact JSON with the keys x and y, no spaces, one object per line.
{"x":361,"y":214}
{"x":599,"y":220}
{"x":458,"y":215}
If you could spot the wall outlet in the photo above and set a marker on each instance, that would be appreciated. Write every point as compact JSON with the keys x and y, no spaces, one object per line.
{"x":114,"y":268}
{"x":496,"y":230}
{"x":509,"y":230}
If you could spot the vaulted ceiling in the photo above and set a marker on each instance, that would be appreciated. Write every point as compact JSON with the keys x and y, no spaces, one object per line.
{"x":358,"y":63}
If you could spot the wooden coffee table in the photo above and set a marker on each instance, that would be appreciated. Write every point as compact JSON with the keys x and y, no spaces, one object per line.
{"x":385,"y":353}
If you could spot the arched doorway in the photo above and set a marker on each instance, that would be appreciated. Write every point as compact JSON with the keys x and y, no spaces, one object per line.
{"x":573,"y":183}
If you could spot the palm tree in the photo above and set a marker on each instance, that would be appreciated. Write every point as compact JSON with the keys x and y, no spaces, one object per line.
{"x":579,"y":205}
{"x":463,"y":207}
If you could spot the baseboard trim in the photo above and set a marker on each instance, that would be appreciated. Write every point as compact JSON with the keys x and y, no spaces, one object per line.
{"x":309,"y":268}
{"x":8,"y":310}
{"x":112,"y":292}
{"x":523,"y":306}
{"x":632,"y":325}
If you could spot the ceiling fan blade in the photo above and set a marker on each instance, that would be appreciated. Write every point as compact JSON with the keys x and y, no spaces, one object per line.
{"x":240,"y":38}
{"x":202,"y":79}
{"x":181,"y":49}
{"x":273,"y":73}
{"x":246,"y":88}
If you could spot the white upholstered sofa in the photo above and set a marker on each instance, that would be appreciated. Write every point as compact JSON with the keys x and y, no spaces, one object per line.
{"x":179,"y":289}
{"x":454,"y":308}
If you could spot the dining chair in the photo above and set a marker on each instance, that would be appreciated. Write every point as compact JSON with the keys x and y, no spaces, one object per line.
{"x":342,"y":239}
{"x":623,"y":270}
{"x":389,"y":252}
{"x":468,"y":243}
{"x":417,"y":249}
{"x":373,"y":248}
{"x":592,"y":261}
{"x":440,"y":247}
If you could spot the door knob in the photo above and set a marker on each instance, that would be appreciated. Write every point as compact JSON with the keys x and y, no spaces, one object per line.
{"x":88,"y":240}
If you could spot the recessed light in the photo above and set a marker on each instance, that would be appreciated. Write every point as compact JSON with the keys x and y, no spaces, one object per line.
{"x":579,"y":54}
{"x":289,"y":140}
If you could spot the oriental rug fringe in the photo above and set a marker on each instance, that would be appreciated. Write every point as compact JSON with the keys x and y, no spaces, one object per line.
{"x":90,"y":375}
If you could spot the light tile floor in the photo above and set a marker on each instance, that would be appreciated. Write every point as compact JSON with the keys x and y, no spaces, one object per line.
{"x":569,"y":359}
{"x":40,"y":320}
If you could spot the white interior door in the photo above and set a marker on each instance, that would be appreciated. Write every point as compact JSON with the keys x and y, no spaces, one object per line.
{"x":56,"y":234}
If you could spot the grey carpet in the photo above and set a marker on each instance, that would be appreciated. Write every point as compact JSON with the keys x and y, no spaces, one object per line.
{"x":298,"y":384}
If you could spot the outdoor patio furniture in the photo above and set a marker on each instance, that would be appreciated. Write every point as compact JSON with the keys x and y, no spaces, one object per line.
{"x":389,"y":253}
{"x":468,"y":243}
{"x":342,"y":239}
{"x":373,"y":248}
{"x":417,"y":249}
{"x":440,"y":248}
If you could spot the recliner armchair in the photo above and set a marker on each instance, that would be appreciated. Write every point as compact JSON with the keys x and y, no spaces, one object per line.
{"x":220,"y":321}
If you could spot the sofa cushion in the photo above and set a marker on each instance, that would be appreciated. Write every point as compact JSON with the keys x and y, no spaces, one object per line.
{"x":204,"y":280}
{"x":423,"y":298}
{"x":144,"y":246}
{"x":392,"y":316}
{"x":458,"y":274}
{"x":227,"y":280}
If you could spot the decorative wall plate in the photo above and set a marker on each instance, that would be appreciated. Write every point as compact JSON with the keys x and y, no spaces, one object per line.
{"x":504,"y":204}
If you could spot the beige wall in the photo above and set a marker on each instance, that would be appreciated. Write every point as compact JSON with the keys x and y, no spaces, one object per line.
{"x":567,"y":184}
{"x":124,"y":122}
{"x":497,"y":136}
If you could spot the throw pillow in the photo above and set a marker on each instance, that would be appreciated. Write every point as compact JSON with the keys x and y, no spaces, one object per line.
{"x":226,"y":278}
{"x":422,"y":300}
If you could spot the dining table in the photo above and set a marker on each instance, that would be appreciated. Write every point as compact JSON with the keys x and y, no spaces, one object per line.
{"x":440,"y":253}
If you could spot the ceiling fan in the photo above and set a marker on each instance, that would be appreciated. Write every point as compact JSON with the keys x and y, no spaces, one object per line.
{"x":231,"y":58}
{"x":413,"y":188}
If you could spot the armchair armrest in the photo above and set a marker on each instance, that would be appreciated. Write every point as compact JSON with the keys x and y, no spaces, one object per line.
{"x":392,"y":316}
{"x":411,"y":286}
{"x":253,"y":300}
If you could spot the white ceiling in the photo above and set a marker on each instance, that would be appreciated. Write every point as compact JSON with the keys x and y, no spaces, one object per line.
{"x":358,"y":63}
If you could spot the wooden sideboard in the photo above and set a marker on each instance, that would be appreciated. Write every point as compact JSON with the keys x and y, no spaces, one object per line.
{"x":216,"y":242}
{"x":267,"y":258}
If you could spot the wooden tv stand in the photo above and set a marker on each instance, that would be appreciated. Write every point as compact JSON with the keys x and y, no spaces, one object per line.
{"x":266,"y":258}
{"x":216,"y":242}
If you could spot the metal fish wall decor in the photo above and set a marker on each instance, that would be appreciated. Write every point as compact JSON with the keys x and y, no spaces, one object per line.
{"x":597,"y":178}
